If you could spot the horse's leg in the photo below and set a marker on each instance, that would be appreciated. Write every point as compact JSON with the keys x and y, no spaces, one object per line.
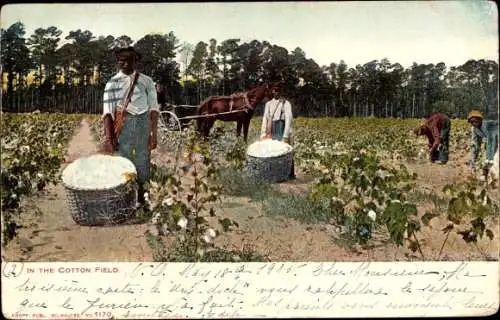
{"x":199,"y":125}
{"x":239,"y":124}
{"x":200,"y":122}
{"x":208,"y":125}
{"x":246,"y":124}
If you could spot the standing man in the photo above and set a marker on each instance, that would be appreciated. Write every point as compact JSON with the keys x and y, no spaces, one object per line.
{"x":482,"y":129}
{"x":138,"y":135}
{"x":277,"y":121}
{"x":437,"y":128}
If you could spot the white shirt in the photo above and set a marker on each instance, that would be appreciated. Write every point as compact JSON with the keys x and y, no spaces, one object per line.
{"x":279,"y":110}
{"x":143,"y":98}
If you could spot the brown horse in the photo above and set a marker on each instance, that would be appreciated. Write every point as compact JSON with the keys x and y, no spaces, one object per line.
{"x":237,"y":107}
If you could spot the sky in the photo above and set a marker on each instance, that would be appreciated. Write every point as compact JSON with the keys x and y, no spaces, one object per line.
{"x":356,"y":32}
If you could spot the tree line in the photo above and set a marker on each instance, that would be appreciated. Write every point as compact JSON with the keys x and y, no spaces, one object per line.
{"x":71,"y":77}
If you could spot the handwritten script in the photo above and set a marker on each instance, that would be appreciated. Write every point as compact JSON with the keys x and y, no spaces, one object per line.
{"x":232,"y":290}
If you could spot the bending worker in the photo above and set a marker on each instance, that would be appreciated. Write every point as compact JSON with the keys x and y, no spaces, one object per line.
{"x":437,"y":128}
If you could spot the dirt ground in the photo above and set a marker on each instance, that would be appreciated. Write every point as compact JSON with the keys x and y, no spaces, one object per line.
{"x":50,"y":234}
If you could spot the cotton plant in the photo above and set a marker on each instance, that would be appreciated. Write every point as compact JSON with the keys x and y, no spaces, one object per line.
{"x":182,"y":201}
{"x":309,"y":151}
{"x":363,"y":194}
{"x":32,"y":151}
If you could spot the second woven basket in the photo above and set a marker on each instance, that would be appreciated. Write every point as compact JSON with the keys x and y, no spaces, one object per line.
{"x":272,"y":169}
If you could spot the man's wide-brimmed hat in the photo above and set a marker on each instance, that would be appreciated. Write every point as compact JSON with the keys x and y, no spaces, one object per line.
{"x":128,"y":50}
{"x":474,"y":114}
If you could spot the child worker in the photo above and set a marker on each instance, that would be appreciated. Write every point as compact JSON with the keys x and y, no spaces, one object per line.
{"x":482,"y":129}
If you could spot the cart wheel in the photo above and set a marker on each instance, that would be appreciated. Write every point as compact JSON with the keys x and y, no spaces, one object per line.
{"x":170,"y":131}
{"x":169,"y":121}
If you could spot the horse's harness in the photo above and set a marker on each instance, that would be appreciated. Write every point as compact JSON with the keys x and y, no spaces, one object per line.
{"x":247,"y":104}
{"x":236,"y":96}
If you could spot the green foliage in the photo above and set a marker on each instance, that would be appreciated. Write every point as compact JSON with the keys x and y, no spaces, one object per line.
{"x":32,"y":153}
{"x":236,"y":156}
{"x":470,"y":205}
{"x":362,"y":194}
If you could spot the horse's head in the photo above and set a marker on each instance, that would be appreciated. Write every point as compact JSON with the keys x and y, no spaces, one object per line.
{"x":259,"y":92}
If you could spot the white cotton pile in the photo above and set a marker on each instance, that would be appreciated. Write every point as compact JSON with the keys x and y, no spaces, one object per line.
{"x":268,"y":148}
{"x":495,"y":168}
{"x":98,"y":172}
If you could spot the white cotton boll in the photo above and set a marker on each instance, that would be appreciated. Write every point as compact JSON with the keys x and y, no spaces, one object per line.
{"x":485,"y":200}
{"x":155,"y":220}
{"x":211,"y":233}
{"x":207,"y":238}
{"x":372,"y":215}
{"x":182,"y":222}
{"x":168,"y":202}
{"x":383,"y":174}
{"x":268,"y":148}
{"x":164,"y":231}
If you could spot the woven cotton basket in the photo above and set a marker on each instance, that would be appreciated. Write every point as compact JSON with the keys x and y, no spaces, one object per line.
{"x":104,"y":206}
{"x":272,"y":169}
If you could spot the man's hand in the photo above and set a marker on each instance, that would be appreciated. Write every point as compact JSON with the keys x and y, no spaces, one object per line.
{"x":286,"y":140}
{"x":154,"y":130}
{"x":267,"y":137}
{"x":108,"y":146}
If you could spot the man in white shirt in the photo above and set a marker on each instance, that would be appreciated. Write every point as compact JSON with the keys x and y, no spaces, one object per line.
{"x":139,"y":132}
{"x":277,"y":121}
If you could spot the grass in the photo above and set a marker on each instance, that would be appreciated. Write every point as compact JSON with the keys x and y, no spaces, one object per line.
{"x":274,"y":202}
{"x":298,"y":207}
{"x":237,"y":184}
